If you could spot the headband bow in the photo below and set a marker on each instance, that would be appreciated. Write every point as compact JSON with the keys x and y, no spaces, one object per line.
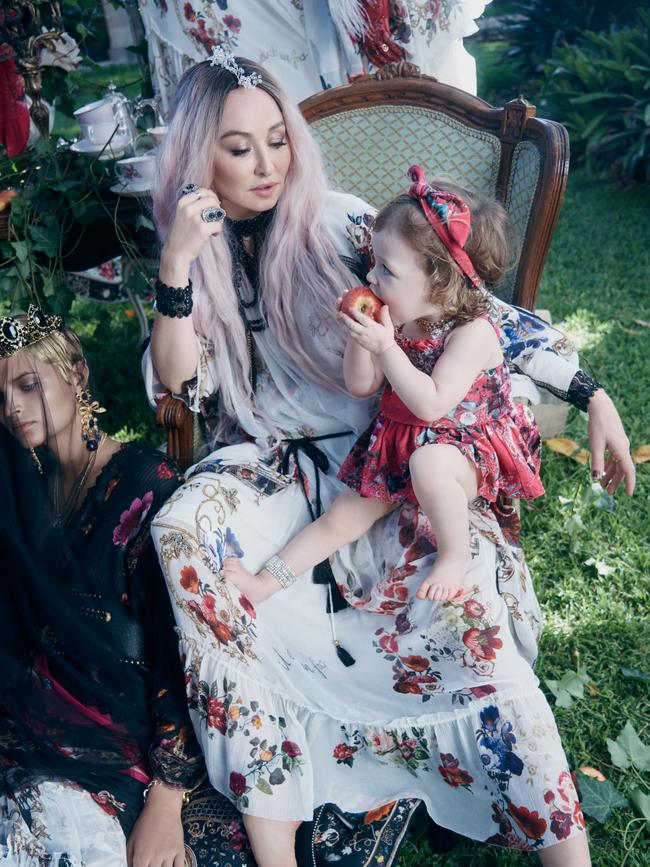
{"x":449,"y":218}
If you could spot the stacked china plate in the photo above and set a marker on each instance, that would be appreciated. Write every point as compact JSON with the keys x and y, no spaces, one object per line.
{"x":100,"y":134}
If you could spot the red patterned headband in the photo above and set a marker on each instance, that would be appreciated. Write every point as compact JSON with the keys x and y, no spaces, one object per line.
{"x":449,"y":218}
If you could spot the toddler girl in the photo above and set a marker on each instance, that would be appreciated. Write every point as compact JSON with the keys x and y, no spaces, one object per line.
{"x":446,"y":430}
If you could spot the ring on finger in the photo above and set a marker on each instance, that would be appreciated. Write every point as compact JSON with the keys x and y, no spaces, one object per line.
{"x":188,"y":189}
{"x":213,"y":215}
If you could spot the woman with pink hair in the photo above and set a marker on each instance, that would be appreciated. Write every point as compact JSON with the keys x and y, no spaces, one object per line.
{"x":395,"y":697}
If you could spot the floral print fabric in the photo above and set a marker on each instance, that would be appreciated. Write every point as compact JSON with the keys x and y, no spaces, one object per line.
{"x":498,"y":436}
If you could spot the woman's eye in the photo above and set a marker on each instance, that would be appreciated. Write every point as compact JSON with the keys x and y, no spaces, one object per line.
{"x":279,"y":144}
{"x":239,"y":152}
{"x":385,"y":270}
{"x":30,"y":386}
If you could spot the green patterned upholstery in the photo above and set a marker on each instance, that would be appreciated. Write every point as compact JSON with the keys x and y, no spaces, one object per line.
{"x":368,"y":150}
{"x":524,"y":176}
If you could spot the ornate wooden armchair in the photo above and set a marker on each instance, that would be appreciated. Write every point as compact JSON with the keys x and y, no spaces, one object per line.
{"x":373,"y":130}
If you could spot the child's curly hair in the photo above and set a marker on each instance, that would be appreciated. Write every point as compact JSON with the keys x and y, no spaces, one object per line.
{"x":488,"y":246}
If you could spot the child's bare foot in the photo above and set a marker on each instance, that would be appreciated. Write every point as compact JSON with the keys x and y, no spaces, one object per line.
{"x":445,"y":580}
{"x":257,"y":588}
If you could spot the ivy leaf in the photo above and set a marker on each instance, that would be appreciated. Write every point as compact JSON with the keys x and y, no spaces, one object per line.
{"x":263,"y":786}
{"x":641,"y":802}
{"x":635,"y":674}
{"x":21,"y":249}
{"x":629,"y":750}
{"x":45,"y":240}
{"x":571,"y":685}
{"x":144,"y":222}
{"x":597,"y":799}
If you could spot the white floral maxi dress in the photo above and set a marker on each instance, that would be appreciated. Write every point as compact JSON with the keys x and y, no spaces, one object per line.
{"x":441,"y":704}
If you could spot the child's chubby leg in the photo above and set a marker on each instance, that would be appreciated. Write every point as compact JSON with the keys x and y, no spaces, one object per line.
{"x":444,"y":482}
{"x":348,"y":518}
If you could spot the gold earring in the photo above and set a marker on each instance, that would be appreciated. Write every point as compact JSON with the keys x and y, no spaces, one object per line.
{"x":91,"y":433}
{"x":37,"y":461}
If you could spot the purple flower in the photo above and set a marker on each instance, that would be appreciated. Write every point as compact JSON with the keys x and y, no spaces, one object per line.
{"x":131,"y":520}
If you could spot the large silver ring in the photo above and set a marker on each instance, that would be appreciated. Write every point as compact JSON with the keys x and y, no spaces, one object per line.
{"x":188,"y":189}
{"x":212,"y":215}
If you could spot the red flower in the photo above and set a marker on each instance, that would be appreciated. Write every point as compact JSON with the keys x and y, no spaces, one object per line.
{"x":378,"y":813}
{"x":189,"y":579}
{"x":482,"y":691}
{"x":209,"y":601}
{"x":237,"y":784}
{"x":217,"y":715}
{"x":561,"y":824}
{"x":417,"y":663}
{"x":131,"y":520}
{"x":188,"y":12}
{"x":342,"y":752}
{"x":248,"y":606}
{"x":549,"y":797}
{"x":578,"y":818}
{"x":232,"y":23}
{"x":220,"y":630}
{"x":452,"y":773}
{"x":397,"y":591}
{"x":388,"y":643}
{"x":413,"y":683}
{"x":290,"y":749}
{"x":165,"y":471}
{"x":531,"y":823}
{"x":483,"y":642}
{"x":474,"y":609}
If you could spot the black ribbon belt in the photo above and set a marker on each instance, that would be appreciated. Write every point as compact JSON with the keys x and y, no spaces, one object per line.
{"x":322,"y":571}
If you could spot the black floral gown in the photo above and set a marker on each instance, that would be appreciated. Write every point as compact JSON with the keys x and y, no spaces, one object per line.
{"x":58,"y":729}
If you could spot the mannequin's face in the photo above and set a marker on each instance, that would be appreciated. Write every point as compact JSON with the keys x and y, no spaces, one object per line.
{"x":37,"y":405}
{"x":253,"y":154}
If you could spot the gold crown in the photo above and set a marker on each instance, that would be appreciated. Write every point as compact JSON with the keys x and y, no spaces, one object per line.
{"x":16,"y":334}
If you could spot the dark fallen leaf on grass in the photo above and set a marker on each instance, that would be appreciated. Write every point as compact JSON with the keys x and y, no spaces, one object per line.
{"x":635,"y":674}
{"x":629,"y":750}
{"x":597,"y":799}
{"x":641,"y":802}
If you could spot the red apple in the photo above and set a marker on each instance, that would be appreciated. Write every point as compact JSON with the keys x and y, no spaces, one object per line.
{"x":5,"y":199}
{"x":362,"y":300}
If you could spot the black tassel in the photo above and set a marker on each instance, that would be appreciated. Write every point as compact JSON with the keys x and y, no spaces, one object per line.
{"x":343,"y":655}
{"x":323,"y":574}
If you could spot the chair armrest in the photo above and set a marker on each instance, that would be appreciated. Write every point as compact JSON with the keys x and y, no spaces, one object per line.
{"x":178,"y":421}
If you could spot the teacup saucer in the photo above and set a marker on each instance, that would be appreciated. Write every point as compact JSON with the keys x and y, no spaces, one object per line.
{"x":116,"y":147}
{"x":131,"y":188}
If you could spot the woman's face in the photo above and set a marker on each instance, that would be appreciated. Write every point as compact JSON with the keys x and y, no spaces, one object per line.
{"x":253,"y":154}
{"x":36,"y":403}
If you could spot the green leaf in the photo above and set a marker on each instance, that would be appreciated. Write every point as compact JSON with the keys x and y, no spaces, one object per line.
{"x":641,"y":802}
{"x":571,"y":685}
{"x":144,"y":222}
{"x":45,"y":240}
{"x":635,"y":674}
{"x":21,"y":249}
{"x":628,"y":750}
{"x":263,"y":786}
{"x":597,"y":799}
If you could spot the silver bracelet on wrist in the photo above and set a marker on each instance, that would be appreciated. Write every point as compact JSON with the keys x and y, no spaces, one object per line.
{"x":281,"y":572}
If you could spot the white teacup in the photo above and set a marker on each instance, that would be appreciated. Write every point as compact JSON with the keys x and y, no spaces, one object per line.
{"x":136,"y":170}
{"x":98,"y":133}
{"x":95,"y":112}
{"x":157,"y":134}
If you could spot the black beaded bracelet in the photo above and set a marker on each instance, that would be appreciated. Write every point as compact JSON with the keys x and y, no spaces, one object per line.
{"x":173,"y":302}
{"x":581,"y":390}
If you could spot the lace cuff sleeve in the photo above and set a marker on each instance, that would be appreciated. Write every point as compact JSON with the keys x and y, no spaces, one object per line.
{"x":581,"y":390}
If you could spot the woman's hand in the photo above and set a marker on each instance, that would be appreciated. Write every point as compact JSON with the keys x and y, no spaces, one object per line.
{"x":157,"y":837}
{"x":187,"y":236}
{"x":606,"y":433}
{"x":373,"y":336}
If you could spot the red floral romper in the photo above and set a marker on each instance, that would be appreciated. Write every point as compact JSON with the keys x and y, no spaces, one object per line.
{"x":500,"y":437}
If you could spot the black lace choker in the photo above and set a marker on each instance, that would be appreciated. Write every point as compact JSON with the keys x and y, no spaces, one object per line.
{"x":253,"y":228}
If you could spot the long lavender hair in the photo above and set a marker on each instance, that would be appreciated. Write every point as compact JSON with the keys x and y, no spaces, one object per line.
{"x":298,"y":262}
